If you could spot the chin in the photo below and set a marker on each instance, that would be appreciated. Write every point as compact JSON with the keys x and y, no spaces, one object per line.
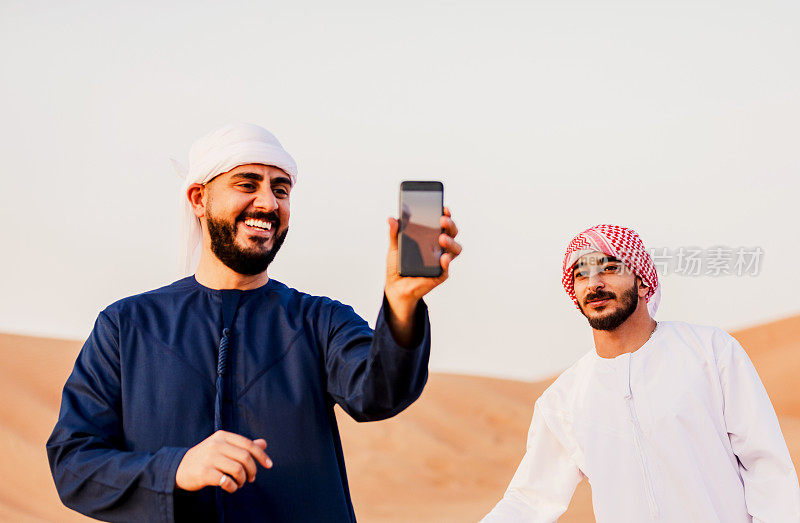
{"x":607,"y":311}
{"x":252,"y":243}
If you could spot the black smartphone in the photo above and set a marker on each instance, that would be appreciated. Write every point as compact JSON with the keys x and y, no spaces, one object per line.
{"x":421,"y":205}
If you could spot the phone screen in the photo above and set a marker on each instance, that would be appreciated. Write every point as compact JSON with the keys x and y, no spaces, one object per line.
{"x":420,"y":227}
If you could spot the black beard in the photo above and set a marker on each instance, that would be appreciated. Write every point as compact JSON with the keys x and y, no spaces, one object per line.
{"x":242,"y":261}
{"x":609,"y":322}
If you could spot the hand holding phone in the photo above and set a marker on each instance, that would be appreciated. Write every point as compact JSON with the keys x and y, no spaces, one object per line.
{"x":404,"y":292}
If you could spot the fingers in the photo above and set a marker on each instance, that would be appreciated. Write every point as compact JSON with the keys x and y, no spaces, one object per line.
{"x":223,"y":459}
{"x":447,"y":239}
{"x":445,"y":260}
{"x":242,"y":457}
{"x":255,"y":450}
{"x":393,"y":227}
{"x":233,"y":470}
{"x":448,"y":226}
{"x":451,"y":249}
{"x":227,"y":484}
{"x":233,"y":439}
{"x":450,"y":245}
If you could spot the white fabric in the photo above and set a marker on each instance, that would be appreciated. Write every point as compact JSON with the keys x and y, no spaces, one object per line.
{"x":215,"y":153}
{"x":681,"y":430}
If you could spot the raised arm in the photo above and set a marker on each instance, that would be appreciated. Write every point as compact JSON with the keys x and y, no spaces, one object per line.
{"x":376,"y":376}
{"x":369,"y":374}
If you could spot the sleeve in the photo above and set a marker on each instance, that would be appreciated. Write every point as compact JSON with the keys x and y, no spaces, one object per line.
{"x":770,"y":480}
{"x":545,"y":481}
{"x":93,"y":475}
{"x":368,"y":374}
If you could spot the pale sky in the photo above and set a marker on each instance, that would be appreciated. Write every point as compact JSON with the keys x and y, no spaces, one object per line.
{"x":542,"y":118}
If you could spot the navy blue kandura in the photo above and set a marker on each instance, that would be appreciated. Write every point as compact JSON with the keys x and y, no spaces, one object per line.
{"x":161,"y":371}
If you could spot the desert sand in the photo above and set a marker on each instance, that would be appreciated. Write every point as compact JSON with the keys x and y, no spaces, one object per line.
{"x":446,"y":458}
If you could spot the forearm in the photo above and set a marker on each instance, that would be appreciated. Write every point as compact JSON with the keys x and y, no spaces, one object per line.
{"x":113,"y":485}
{"x":92,"y":471}
{"x":544,"y":481}
{"x":768,"y":474}
{"x":370,"y":374}
{"x":514,"y":509}
{"x":769,"y":477}
{"x":400,"y":312}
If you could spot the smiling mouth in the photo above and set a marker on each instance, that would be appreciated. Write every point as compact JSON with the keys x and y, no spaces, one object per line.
{"x":258,"y":224}
{"x":257,"y":227}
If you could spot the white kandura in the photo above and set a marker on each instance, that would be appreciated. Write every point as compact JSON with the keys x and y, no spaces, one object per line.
{"x":680,"y":430}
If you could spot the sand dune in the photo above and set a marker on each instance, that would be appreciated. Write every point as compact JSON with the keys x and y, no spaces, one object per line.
{"x":447,"y":458}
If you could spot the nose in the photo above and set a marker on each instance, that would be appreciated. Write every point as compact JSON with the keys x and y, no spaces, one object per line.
{"x":266,"y":200}
{"x":595,"y":282}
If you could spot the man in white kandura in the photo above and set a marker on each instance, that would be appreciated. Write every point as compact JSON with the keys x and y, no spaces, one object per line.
{"x":668,"y":421}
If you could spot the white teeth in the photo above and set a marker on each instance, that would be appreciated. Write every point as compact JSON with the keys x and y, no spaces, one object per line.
{"x":261,"y":224}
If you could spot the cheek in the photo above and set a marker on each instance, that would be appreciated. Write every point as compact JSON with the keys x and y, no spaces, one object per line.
{"x":284,"y":212}
{"x":626,"y":282}
{"x":221,"y":203}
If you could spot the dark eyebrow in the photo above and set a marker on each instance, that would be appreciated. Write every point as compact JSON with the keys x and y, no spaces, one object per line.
{"x":248,"y":176}
{"x":600,"y":261}
{"x":281,"y":179}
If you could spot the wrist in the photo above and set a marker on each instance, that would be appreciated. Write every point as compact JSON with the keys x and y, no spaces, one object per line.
{"x":402,"y":305}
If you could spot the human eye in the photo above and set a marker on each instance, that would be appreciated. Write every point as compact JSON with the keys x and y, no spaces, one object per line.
{"x":248,"y":186}
{"x":281,"y":192}
{"x":611,"y":268}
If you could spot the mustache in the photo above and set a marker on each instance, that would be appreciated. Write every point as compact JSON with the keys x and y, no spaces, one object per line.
{"x":600,"y":295}
{"x":266,"y":216}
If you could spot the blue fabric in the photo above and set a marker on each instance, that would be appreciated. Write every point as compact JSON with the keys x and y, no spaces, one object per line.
{"x":143,"y":392}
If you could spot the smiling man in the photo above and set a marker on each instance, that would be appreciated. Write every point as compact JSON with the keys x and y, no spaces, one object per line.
{"x":211,"y":399}
{"x":668,"y":421}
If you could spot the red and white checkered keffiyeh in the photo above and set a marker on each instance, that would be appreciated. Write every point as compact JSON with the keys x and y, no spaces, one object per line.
{"x":621,"y":243}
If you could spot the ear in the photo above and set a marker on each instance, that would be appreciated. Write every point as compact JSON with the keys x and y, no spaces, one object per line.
{"x":643,"y":287}
{"x":196,"y":194}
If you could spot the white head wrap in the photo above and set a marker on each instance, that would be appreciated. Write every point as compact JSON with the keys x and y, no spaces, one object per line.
{"x":215,"y":153}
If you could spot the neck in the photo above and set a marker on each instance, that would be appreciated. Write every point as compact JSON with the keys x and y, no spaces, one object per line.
{"x":214,"y":274}
{"x":628,"y":337}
